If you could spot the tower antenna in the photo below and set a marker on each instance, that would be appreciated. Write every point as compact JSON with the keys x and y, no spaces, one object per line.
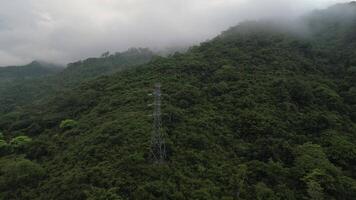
{"x":158,"y":146}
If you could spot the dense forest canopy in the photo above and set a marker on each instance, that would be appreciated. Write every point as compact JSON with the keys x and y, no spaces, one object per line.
{"x":260,"y":112}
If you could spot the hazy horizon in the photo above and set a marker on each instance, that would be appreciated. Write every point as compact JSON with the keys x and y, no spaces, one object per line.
{"x":63,"y":31}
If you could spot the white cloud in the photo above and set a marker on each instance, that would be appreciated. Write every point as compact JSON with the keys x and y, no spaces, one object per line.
{"x":67,"y":30}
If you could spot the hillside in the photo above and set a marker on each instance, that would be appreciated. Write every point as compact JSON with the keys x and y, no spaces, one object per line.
{"x":259,"y":112}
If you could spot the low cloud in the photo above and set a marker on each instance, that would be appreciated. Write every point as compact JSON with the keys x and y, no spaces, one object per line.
{"x":62,"y":31}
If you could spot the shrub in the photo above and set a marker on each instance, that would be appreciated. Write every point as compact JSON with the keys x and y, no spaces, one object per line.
{"x":20,"y":141}
{"x":102,"y":194}
{"x":68,"y":124}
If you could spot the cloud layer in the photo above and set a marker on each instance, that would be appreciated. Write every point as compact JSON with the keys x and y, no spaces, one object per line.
{"x":62,"y":31}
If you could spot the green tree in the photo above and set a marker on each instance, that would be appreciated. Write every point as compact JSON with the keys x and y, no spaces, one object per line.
{"x":263,"y":192}
{"x":19,"y":173}
{"x":311,"y":156}
{"x":315,"y":191}
{"x":102,"y":194}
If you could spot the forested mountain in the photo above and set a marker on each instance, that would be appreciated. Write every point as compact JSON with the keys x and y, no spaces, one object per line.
{"x":260,"y":112}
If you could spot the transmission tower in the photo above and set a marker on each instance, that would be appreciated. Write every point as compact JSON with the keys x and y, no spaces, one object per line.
{"x":158,"y":146}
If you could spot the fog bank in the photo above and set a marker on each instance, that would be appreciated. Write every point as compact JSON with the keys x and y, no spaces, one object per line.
{"x":62,"y":31}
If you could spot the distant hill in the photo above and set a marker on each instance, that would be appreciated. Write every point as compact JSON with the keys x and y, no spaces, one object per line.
{"x":36,"y":80}
{"x":105,"y":65}
{"x":332,"y":30}
{"x":259,"y":112}
{"x":33,"y":70}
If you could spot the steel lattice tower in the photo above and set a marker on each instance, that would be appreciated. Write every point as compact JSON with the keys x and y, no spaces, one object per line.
{"x":158,"y":147}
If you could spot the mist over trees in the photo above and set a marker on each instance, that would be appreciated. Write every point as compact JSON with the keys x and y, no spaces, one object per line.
{"x":63,"y":31}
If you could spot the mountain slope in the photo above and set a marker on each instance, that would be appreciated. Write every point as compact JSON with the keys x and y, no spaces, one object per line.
{"x":256,"y":113}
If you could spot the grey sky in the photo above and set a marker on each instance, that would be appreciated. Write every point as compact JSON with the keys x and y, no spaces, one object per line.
{"x":62,"y":31}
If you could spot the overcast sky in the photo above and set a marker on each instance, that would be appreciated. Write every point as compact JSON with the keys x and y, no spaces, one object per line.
{"x":62,"y":31}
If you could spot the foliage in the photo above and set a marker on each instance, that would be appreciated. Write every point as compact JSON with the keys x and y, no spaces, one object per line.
{"x":4,"y":147}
